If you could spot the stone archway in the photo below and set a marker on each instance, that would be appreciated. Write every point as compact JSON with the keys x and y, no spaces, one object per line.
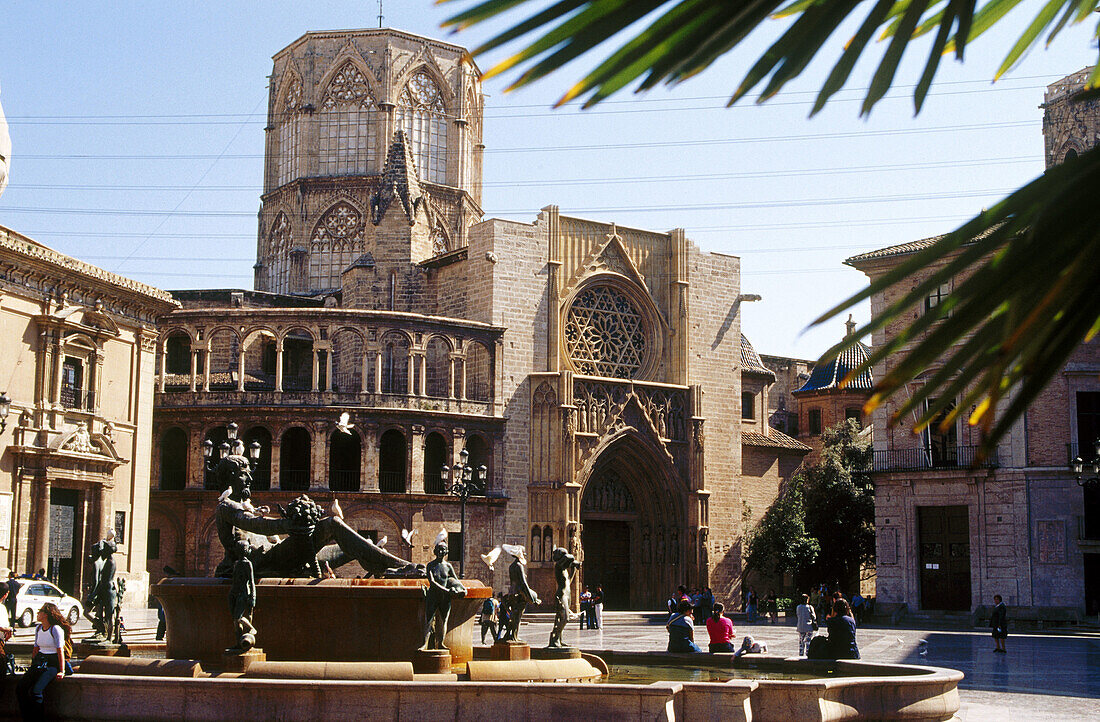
{"x":633,"y":527}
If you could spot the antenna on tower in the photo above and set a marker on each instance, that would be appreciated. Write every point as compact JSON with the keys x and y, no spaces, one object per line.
{"x":379,"y":13}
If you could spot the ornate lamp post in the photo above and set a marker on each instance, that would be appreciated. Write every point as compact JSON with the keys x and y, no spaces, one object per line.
{"x":463,"y":485}
{"x":1080,"y":468}
{"x":5,"y":409}
{"x":232,"y":445}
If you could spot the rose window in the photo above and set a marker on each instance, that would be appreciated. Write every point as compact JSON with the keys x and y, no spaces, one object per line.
{"x":605,"y":335}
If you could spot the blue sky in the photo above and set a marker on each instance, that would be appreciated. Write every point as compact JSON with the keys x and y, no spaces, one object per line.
{"x":137,"y":145}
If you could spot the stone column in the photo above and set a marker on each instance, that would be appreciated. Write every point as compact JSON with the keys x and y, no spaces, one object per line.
{"x":194,"y":370}
{"x":366,"y":369}
{"x":240,"y":369}
{"x":196,"y":463}
{"x":416,"y":459}
{"x":276,"y":456}
{"x":451,"y":376}
{"x":55,"y":382}
{"x":462,"y":378}
{"x":104,"y":519}
{"x":163,"y":356}
{"x":316,"y":369}
{"x":377,"y":372}
{"x":279,"y":365}
{"x":370,"y":457}
{"x":319,"y":452}
{"x":328,"y":369}
{"x":41,"y":534}
{"x":206,"y":370}
{"x":410,"y":369}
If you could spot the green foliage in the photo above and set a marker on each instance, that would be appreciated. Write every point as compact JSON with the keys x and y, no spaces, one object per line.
{"x":821,"y":527}
{"x":1015,"y":320}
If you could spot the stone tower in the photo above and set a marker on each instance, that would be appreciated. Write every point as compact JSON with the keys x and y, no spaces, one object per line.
{"x":357,"y":118}
{"x":1070,"y":125}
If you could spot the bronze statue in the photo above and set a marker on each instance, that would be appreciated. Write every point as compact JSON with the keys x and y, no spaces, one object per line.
{"x":520,"y":594}
{"x":242,"y":600}
{"x":102,"y":604}
{"x":565,"y":568}
{"x":312,"y":538}
{"x":443,"y":586}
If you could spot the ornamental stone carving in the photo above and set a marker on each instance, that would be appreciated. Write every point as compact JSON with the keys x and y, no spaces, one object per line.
{"x":605,"y":334}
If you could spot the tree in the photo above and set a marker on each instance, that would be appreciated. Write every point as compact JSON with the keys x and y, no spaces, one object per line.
{"x":1013,"y":323}
{"x":821,"y":526}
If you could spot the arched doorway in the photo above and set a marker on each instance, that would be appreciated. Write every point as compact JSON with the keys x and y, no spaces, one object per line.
{"x":633,"y":527}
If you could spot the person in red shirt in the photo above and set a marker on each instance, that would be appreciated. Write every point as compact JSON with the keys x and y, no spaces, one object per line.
{"x":720,"y":629}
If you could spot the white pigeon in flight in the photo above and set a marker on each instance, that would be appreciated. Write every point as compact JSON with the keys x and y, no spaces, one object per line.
{"x":407,"y":536}
{"x":342,"y":425}
{"x":337,"y":512}
{"x":491,"y":558}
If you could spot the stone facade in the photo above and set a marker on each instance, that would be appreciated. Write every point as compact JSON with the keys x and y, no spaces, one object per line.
{"x":1070,"y":125}
{"x":951,"y":534}
{"x":76,"y":445}
{"x":790,"y":375}
{"x":595,"y":370}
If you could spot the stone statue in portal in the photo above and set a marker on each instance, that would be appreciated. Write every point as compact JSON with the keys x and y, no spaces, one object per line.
{"x":565,"y":568}
{"x":310,"y":539}
{"x":520,"y":594}
{"x":102,"y":601}
{"x":443,"y":586}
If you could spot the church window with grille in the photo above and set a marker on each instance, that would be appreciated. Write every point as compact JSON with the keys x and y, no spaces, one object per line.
{"x":421,"y":114}
{"x":288,"y":132}
{"x":346,"y":124}
{"x":337,"y":240}
{"x":605,"y":334}
{"x":439,"y":241}
{"x":279,"y":244}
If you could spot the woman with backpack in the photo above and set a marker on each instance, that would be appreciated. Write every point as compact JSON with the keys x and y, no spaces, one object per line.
{"x":52,"y":647}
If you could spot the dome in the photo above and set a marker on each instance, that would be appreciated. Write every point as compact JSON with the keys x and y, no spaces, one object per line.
{"x":829,"y":376}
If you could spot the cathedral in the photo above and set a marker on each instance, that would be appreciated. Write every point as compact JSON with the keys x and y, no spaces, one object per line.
{"x":588,"y":381}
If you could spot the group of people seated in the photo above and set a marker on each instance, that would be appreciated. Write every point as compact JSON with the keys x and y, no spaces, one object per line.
{"x":839,"y":643}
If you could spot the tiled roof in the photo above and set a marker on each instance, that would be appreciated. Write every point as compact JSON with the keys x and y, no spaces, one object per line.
{"x":906,"y":248}
{"x":773,"y":440}
{"x":829,"y":376}
{"x":750,"y":360}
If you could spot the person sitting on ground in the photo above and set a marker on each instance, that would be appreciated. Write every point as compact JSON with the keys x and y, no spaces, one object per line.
{"x":47,"y":663}
{"x":841,"y":642}
{"x":750,"y":646}
{"x":681,"y":629}
{"x":720,"y":629}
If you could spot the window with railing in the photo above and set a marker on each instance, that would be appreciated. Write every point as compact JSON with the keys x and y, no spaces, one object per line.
{"x":922,"y":457}
{"x":74,"y":394}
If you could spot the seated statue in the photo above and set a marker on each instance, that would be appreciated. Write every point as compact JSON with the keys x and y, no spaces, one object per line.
{"x":311,"y":539}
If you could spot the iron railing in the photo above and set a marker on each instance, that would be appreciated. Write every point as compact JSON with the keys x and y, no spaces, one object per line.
{"x":294,"y":479}
{"x":391,"y":482}
{"x":344,"y":480}
{"x":74,"y":397}
{"x":936,"y":457}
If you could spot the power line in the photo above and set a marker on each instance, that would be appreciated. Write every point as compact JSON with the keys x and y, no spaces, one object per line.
{"x":787,"y":138}
{"x":633,"y":180}
{"x":795,"y":202}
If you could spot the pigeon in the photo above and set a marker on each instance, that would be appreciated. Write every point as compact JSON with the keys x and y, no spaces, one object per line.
{"x":342,"y":425}
{"x":923,"y":646}
{"x":441,"y":537}
{"x":337,"y":512}
{"x":225,"y":495}
{"x":407,"y":536}
{"x":516,"y":551}
{"x":491,"y":558}
{"x":382,"y":542}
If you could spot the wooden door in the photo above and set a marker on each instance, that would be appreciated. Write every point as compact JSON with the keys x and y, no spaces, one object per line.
{"x":944,"y":557}
{"x":607,"y":560}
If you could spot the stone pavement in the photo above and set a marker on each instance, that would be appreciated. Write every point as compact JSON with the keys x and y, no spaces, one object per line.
{"x":1044,"y":676}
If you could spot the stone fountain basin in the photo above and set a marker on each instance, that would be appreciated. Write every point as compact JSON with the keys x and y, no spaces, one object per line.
{"x":323,"y":620}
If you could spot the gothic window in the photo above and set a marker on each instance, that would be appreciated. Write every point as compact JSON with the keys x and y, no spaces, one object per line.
{"x":421,"y":114}
{"x":336,"y":242}
{"x":288,"y":130}
{"x":279,"y":244}
{"x":346,"y":124}
{"x":605,"y":334}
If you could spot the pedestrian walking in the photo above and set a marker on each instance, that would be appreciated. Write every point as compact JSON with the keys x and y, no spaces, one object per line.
{"x":588,"y":614}
{"x":772,"y":604}
{"x":597,"y":605}
{"x":489,"y":618}
{"x":998,"y":620}
{"x":751,"y":605}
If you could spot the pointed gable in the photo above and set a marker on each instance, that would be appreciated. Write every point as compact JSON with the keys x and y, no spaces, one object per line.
{"x":399,"y":182}
{"x":611,"y":255}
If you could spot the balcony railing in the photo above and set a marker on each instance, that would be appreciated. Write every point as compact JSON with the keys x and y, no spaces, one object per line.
{"x":294,"y":479}
{"x":344,"y":480}
{"x":74,"y":397}
{"x":391,"y":482}
{"x":950,"y":457}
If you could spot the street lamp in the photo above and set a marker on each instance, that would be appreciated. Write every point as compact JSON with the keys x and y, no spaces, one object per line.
{"x":5,"y":409}
{"x":1080,"y":468}
{"x":232,"y":445}
{"x":463,"y":485}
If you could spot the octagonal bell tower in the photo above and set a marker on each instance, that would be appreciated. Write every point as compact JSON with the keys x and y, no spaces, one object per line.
{"x":1070,"y":125}
{"x":341,"y":106}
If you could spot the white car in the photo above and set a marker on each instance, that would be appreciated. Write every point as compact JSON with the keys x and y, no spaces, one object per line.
{"x":34,"y":593}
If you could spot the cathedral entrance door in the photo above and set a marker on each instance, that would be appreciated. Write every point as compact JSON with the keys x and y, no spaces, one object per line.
{"x":607,"y":560}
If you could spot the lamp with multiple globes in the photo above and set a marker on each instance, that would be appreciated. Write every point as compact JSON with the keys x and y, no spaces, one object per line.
{"x":1082,"y":468}
{"x":465,"y":482}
